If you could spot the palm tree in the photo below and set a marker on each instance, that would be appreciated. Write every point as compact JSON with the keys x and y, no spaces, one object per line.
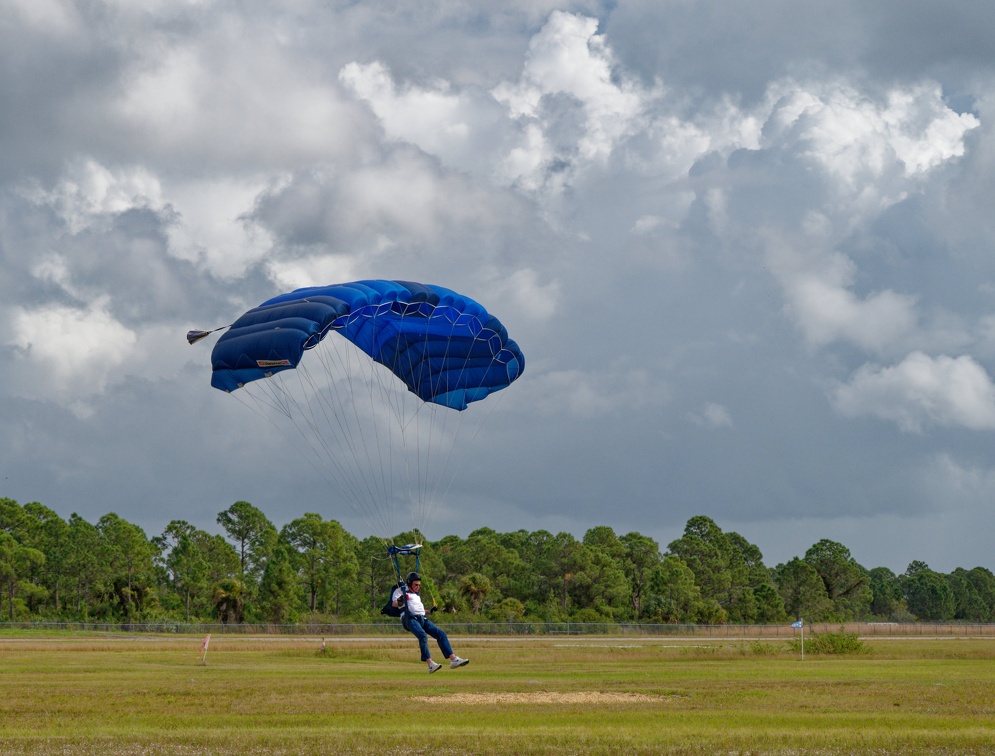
{"x":229,"y":600}
{"x":475,"y":587}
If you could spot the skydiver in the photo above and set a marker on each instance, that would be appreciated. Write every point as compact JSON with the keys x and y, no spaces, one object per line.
{"x":406,"y":598}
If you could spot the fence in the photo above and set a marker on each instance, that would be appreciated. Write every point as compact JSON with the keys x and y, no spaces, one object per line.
{"x":864,"y":629}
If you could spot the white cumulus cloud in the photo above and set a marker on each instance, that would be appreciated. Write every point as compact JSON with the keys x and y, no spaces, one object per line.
{"x":67,"y":354}
{"x":922,"y":391}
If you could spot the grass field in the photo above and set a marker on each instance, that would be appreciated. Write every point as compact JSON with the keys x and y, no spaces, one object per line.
{"x":147,"y":695}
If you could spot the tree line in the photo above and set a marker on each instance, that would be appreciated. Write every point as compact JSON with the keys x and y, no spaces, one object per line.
{"x":312,"y":569}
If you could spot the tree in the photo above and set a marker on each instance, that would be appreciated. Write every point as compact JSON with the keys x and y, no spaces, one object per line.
{"x":968,"y":604}
{"x":322,"y":555}
{"x":475,"y":588}
{"x":509,"y":610}
{"x":603,"y":539}
{"x":128,"y":554}
{"x":13,"y":520}
{"x":601,"y":583}
{"x":379,"y":579}
{"x":568,"y":559}
{"x":770,"y":605}
{"x":278,"y":587}
{"x":641,"y":558}
{"x":984,"y":583}
{"x":927,"y":592}
{"x":484,"y":552}
{"x":675,"y":597}
{"x":847,"y":583}
{"x":253,"y":534}
{"x":229,"y":600}
{"x":451,"y":600}
{"x":537,"y":581}
{"x":726,"y":566}
{"x":802,"y":590}
{"x":195,"y":561}
{"x":49,"y":534}
{"x":189,"y":570}
{"x":887,"y":598}
{"x":340,"y":591}
{"x":305,"y":539}
{"x":705,"y":550}
{"x":16,"y":564}
{"x":83,"y":559}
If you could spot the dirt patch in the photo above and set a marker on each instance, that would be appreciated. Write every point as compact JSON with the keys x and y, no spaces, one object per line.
{"x":539,"y":697}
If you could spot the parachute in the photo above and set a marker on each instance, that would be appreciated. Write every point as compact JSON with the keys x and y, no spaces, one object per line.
{"x":378,"y":406}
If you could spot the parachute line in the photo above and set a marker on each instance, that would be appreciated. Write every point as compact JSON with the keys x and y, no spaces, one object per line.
{"x":372,"y":381}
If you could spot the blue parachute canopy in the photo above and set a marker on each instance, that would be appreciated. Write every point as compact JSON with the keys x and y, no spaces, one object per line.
{"x":445,"y":347}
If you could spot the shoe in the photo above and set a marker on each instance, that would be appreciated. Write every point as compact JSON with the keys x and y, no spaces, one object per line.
{"x":433,"y":667}
{"x":457,"y":662}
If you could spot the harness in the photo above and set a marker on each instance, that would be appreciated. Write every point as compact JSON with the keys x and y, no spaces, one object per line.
{"x":395,"y":552}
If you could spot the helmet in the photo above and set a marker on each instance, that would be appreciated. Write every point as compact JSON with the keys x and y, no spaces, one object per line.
{"x":412,"y":577}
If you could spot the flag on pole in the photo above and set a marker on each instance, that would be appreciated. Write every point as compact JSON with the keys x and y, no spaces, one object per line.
{"x":796,"y":624}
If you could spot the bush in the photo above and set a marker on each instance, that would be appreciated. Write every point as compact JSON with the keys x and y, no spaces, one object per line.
{"x":831,"y":643}
{"x":760,"y":648}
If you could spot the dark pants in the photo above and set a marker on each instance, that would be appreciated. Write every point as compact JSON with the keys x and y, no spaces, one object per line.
{"x":422,"y":627}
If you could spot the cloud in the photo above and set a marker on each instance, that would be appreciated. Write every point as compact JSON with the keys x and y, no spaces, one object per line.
{"x":113,"y":220}
{"x":662,"y":210}
{"x":592,"y":394}
{"x":712,"y":415}
{"x":50,"y":17}
{"x":87,"y":192}
{"x":67,"y":355}
{"x":567,"y":58}
{"x":818,"y":287}
{"x":831,"y":160}
{"x":202,"y":102}
{"x":922,"y":391}
{"x":465,"y":128}
{"x":569,"y":108}
{"x":525,"y":292}
{"x":873,"y":148}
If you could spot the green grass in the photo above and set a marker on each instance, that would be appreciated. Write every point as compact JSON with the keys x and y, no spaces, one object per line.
{"x":152,"y":696}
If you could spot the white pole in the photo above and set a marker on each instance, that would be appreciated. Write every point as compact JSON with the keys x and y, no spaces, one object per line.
{"x":803,"y":638}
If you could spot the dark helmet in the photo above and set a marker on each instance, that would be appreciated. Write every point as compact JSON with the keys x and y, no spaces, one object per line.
{"x":412,"y":577}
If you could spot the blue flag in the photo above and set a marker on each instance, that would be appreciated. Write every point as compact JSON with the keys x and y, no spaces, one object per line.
{"x":796,"y":624}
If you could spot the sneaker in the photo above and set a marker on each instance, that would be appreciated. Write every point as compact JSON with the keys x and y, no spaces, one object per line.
{"x":433,"y":667}
{"x":457,"y":662}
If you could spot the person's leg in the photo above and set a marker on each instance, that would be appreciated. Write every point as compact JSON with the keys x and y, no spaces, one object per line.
{"x":440,"y":636}
{"x":415,"y":626}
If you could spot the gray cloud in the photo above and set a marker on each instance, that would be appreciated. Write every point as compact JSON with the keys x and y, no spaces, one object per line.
{"x":743,"y":265}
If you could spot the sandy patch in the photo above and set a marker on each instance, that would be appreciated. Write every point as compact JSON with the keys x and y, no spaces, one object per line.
{"x":539,"y":697}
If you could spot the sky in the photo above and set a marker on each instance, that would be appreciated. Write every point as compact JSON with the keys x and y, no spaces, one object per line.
{"x":746,"y":249}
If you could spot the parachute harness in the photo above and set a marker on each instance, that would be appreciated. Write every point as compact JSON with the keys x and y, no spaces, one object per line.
{"x":412,"y":549}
